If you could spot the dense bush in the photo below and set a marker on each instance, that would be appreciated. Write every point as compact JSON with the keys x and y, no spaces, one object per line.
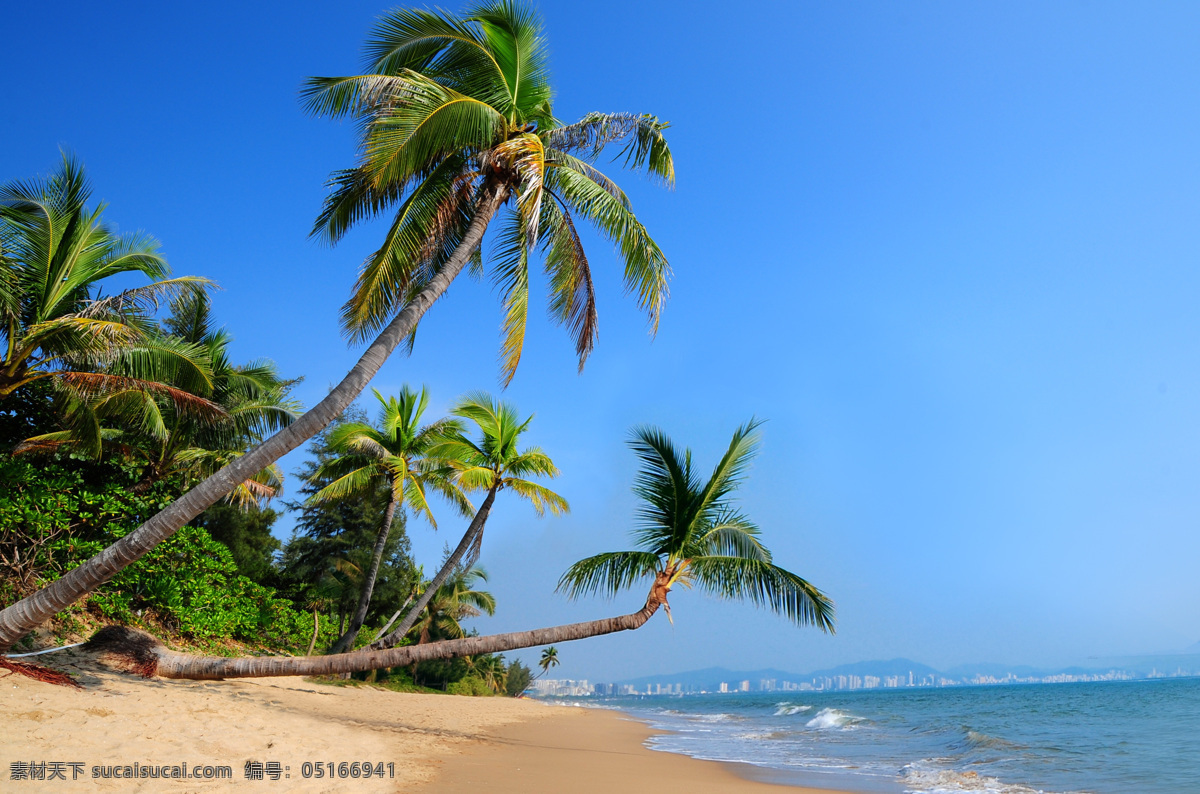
{"x":55,"y":515}
{"x":470,"y":685}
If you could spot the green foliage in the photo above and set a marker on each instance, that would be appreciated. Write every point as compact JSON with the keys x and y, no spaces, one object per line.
{"x":247,"y":535}
{"x":692,"y":534}
{"x":453,"y":107}
{"x":53,"y":322}
{"x":518,"y":678}
{"x":471,"y":685}
{"x":63,"y":513}
{"x":324,"y":560}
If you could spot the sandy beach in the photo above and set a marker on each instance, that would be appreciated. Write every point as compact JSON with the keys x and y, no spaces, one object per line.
{"x":69,"y":740}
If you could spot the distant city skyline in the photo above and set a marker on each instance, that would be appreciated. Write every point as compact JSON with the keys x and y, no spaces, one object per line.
{"x":1188,"y":667}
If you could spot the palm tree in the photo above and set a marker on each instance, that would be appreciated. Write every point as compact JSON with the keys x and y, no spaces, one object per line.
{"x":549,"y":659}
{"x":456,"y":600}
{"x":456,"y":120}
{"x":54,"y":252}
{"x":690,"y":534}
{"x":394,"y":455}
{"x":494,"y":463}
{"x":453,"y":602}
{"x":241,"y":406}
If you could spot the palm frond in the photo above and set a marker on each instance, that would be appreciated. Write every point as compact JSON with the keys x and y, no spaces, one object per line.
{"x":572,"y":293}
{"x":766,"y":585}
{"x":433,"y":122}
{"x":608,"y":574}
{"x":646,"y":268}
{"x":511,"y":273}
{"x":733,"y":535}
{"x":731,"y":468}
{"x":642,"y":134}
{"x":541,"y":497}
{"x":667,"y":486}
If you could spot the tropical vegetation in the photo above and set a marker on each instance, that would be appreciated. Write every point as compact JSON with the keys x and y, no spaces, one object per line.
{"x":138,"y":462}
{"x":457,"y":127}
{"x":690,"y":534}
{"x":392,"y":455}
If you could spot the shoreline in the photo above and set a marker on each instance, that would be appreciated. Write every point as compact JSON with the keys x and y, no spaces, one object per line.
{"x":418,"y":742}
{"x":593,"y":751}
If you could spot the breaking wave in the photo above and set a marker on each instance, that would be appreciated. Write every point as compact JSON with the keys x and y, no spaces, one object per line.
{"x":832,"y":718}
{"x":920,"y":780}
{"x":786,"y":709}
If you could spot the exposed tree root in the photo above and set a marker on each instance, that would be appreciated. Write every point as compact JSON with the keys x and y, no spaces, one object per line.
{"x":133,"y":651}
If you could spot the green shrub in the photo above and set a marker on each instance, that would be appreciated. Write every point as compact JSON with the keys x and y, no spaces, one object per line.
{"x":471,"y":685}
{"x":58,"y":517}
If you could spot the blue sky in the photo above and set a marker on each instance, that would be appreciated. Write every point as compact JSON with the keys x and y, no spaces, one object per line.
{"x":948,"y":251}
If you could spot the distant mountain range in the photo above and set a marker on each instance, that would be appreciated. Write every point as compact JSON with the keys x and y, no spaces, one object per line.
{"x":711,"y":678}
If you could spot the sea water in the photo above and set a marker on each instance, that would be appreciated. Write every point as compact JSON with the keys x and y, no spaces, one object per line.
{"x":1137,"y":737}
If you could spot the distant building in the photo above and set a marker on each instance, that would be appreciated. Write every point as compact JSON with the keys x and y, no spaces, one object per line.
{"x":551,"y":687}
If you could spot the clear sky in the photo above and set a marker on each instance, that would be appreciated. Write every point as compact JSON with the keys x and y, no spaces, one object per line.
{"x":948,"y":250}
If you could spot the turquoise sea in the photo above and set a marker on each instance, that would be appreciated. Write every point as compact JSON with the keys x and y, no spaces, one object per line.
{"x":1137,"y":737}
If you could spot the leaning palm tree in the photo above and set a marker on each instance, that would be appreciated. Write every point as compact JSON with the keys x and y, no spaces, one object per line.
{"x":456,"y":121}
{"x":690,"y":534}
{"x":494,"y":462}
{"x":54,"y":324}
{"x":395,"y":455}
{"x":549,"y":659}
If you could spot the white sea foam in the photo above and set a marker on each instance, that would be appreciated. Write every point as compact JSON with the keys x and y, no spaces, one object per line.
{"x":713,"y":717}
{"x":924,"y":780}
{"x":832,"y":718}
{"x":786,"y":709}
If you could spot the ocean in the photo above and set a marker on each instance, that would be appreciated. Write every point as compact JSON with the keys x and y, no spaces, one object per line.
{"x":1136,"y":737}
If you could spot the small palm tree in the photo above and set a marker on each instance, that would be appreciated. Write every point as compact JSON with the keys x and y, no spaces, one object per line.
{"x":494,"y":462}
{"x":549,"y":659}
{"x":691,"y":535}
{"x":455,"y":601}
{"x":396,"y":455}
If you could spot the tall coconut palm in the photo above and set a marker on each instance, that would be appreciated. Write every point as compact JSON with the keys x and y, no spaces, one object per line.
{"x":394,"y":455}
{"x":690,"y":534}
{"x":456,"y":121}
{"x":494,"y":462}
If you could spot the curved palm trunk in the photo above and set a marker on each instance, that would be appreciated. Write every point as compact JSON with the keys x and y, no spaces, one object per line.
{"x":364,"y":598}
{"x":316,"y":630}
{"x":468,"y":541}
{"x":147,"y":656}
{"x":25,"y":615}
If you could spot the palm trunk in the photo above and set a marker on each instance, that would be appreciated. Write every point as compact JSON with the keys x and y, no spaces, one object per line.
{"x":316,"y":630}
{"x":395,"y":615}
{"x":364,"y":598}
{"x":22,"y":617}
{"x":468,"y":541}
{"x":151,"y":658}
